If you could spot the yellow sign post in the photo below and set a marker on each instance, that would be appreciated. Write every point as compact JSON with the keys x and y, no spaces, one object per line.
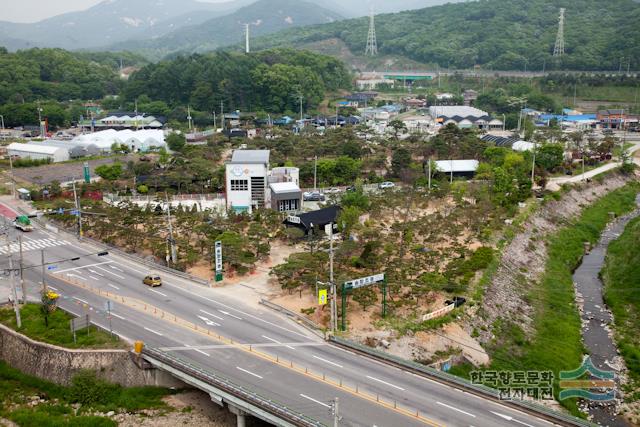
{"x":322,"y":297}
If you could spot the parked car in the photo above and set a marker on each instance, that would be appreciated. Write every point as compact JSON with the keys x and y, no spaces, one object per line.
{"x":385,"y":185}
{"x":314,"y":196}
{"x":332,"y":190}
{"x":351,"y":189}
{"x":152,"y":280}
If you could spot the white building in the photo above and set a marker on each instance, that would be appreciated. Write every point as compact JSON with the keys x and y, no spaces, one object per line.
{"x":137,"y":141}
{"x":38,"y":152}
{"x":250,"y":184}
{"x":464,"y":117}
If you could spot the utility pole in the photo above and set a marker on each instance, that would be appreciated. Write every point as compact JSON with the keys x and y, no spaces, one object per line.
{"x":171,"y":255}
{"x":16,"y":305}
{"x":301,"y":99}
{"x":222,"y":114}
{"x":77,"y":201}
{"x":13,"y":181}
{"x":189,"y":117}
{"x":22,"y":285}
{"x":533,"y":165}
{"x":315,"y":174}
{"x":334,"y":320}
{"x":429,"y":172}
{"x":335,"y":411}
{"x":44,"y":282}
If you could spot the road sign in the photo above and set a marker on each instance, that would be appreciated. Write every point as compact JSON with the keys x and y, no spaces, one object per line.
{"x":108,"y":306}
{"x":52,"y":267}
{"x":218,"y":254}
{"x":322,"y":297}
{"x":87,"y":174}
{"x":294,"y":219}
{"x":74,"y":212}
{"x":80,"y":323}
{"x":364,"y":281}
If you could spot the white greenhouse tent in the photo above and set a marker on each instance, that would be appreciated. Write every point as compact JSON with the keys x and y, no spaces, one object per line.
{"x":38,"y":152}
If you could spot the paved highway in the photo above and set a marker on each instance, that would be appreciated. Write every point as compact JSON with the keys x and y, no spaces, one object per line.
{"x":266,"y":333}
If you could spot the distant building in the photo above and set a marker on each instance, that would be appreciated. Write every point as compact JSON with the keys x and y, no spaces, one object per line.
{"x":415,"y":103}
{"x":250,"y":184}
{"x":616,"y":119}
{"x":373,"y":83}
{"x":38,"y":152}
{"x":136,"y":141}
{"x":121,"y":120}
{"x":515,"y":143}
{"x":464,"y":117}
{"x":470,"y":96}
{"x":459,"y":167}
{"x":315,"y":220}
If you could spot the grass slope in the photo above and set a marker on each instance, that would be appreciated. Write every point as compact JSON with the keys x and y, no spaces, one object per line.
{"x":621,"y":276}
{"x":58,"y":332}
{"x":93,"y":394}
{"x":557,"y":343}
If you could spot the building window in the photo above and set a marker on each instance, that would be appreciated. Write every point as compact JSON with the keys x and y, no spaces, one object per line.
{"x":239,"y":185}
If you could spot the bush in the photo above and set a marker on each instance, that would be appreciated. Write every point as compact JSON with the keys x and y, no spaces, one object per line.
{"x":88,"y":389}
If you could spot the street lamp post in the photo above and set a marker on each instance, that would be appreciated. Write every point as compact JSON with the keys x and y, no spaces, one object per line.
{"x":2,"y":121}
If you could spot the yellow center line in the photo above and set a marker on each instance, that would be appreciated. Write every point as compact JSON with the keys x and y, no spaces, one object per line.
{"x":215,"y":336}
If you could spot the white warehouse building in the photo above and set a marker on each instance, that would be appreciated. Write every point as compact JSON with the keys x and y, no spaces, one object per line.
{"x":38,"y":152}
{"x":137,"y":141}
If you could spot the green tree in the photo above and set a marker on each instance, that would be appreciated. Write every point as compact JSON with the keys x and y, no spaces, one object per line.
{"x":109,"y":172}
{"x":550,"y":156}
{"x":176,"y":141}
{"x":365,"y":296}
{"x":400,"y":160}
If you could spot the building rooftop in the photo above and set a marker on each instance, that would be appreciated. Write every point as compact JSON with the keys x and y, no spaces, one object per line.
{"x":250,"y":156}
{"x":284,"y":187}
{"x":456,"y":110}
{"x":32,"y":148}
{"x":457,"y":166}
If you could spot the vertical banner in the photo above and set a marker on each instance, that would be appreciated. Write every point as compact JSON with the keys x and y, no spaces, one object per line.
{"x":218,"y":254}
{"x":322,"y":297}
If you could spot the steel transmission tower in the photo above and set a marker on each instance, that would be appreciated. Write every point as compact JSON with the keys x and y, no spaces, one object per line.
{"x":372,"y":43}
{"x":558,"y":49}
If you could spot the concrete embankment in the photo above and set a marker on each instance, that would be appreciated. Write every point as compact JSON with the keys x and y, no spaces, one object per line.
{"x":59,"y":365}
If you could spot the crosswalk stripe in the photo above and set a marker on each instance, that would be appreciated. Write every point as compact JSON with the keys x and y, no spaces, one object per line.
{"x":32,"y":245}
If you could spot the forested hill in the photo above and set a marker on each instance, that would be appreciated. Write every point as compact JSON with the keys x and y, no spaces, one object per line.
{"x":495,"y":34}
{"x":269,"y":80}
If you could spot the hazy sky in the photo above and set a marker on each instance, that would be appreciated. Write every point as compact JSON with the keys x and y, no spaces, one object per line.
{"x":36,"y":10}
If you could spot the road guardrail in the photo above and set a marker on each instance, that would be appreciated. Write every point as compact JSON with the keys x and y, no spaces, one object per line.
{"x":460,"y":383}
{"x":275,"y":408}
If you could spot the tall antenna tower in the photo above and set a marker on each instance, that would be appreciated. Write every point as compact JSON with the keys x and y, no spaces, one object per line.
{"x":558,"y":49}
{"x":247,"y":48}
{"x":372,"y":43}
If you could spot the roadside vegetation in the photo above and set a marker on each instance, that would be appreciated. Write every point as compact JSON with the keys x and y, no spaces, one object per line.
{"x":556,"y":341}
{"x":621,"y":277}
{"x":58,"y":331}
{"x":31,"y":402}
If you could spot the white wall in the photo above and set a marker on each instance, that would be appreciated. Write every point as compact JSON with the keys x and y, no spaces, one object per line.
{"x":236,"y":171}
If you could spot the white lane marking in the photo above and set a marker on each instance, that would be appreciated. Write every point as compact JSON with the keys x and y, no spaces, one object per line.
{"x":27,"y":238}
{"x":113,"y":286}
{"x":83,"y":266}
{"x":116,"y":268}
{"x":455,"y":409}
{"x":509,"y":418}
{"x":277,"y":342}
{"x":117,"y":315}
{"x":111,"y":272}
{"x":51,"y":287}
{"x":76,"y":275}
{"x":208,"y":322}
{"x":384,"y":382}
{"x":122,"y":336}
{"x":248,"y":372}
{"x":96,"y":273}
{"x":211,"y":314}
{"x":151,"y":330}
{"x":239,"y":311}
{"x":229,"y":314}
{"x":81,"y":300}
{"x":199,"y":351}
{"x":315,"y":401}
{"x":159,"y":293}
{"x":327,"y":361}
{"x":94,"y":278}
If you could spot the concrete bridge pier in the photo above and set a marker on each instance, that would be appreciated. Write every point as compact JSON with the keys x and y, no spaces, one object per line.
{"x":241,"y":416}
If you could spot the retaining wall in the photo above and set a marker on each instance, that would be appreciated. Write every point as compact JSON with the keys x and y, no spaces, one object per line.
{"x":59,"y":365}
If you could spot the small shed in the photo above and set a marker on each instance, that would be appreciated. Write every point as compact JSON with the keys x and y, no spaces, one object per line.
{"x":315,"y":220}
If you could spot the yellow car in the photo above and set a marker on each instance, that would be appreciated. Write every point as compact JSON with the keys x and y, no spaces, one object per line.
{"x":152,"y":280}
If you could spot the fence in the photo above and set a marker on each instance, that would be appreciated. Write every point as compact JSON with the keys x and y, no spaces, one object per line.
{"x":440,"y":312}
{"x":309,"y":324}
